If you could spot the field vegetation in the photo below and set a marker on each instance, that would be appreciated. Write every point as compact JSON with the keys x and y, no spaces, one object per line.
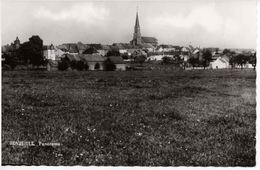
{"x":143,"y":118}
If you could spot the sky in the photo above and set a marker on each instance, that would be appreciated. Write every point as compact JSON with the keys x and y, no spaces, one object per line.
{"x":201,"y":23}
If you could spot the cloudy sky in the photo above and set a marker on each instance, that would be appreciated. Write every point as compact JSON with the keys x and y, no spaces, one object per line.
{"x":204,"y":23}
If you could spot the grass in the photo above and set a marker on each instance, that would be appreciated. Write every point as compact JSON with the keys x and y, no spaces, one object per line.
{"x":144,"y":118}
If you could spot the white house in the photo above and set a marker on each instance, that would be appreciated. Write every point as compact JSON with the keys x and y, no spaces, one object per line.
{"x":220,"y":63}
{"x":49,"y":52}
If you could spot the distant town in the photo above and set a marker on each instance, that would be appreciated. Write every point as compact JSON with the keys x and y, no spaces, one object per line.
{"x":120,"y":56}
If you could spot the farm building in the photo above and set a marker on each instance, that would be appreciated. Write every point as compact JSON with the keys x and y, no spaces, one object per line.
{"x":118,"y":62}
{"x":220,"y":63}
{"x":95,"y":61}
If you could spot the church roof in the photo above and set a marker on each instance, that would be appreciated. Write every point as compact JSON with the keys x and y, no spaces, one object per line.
{"x":149,"y":40}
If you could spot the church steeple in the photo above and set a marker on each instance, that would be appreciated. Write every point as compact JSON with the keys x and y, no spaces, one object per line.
{"x":137,"y":21}
{"x":137,"y":39}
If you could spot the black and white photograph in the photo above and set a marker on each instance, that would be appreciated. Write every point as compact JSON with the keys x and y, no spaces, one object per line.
{"x":146,"y":83}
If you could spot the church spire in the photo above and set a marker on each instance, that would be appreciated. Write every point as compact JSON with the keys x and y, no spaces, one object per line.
{"x":137,"y":39}
{"x":137,"y":19}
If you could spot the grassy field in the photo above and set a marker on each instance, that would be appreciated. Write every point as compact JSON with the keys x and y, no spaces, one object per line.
{"x":144,"y":118}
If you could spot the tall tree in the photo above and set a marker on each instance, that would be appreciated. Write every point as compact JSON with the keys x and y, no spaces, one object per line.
{"x":252,"y":60}
{"x":193,"y":61}
{"x":206,"y":58}
{"x":31,"y":51}
{"x":37,"y":58}
{"x":241,"y":59}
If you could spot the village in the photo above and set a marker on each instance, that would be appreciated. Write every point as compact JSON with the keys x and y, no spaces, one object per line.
{"x":97,"y":83}
{"x":120,"y":56}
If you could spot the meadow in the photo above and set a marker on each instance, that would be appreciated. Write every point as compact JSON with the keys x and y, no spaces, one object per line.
{"x":131,"y":118}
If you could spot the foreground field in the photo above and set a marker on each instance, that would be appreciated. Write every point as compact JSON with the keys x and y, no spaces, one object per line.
{"x":145,"y":118}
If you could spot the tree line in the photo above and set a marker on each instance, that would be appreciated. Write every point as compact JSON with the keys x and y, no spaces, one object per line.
{"x":29,"y":53}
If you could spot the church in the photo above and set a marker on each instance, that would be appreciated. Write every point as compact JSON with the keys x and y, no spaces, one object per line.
{"x":140,"y":41}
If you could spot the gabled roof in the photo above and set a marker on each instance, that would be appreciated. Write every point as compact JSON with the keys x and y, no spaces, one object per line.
{"x":92,"y":57}
{"x":71,"y":57}
{"x":69,"y":47}
{"x":116,"y":59}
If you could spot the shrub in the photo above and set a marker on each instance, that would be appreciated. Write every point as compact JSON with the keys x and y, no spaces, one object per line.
{"x":80,"y":65}
{"x":86,"y":66}
{"x":167,"y":60}
{"x":73,"y":65}
{"x":63,"y":65}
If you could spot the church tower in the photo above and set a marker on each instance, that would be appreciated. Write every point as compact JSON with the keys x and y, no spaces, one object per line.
{"x":137,"y":39}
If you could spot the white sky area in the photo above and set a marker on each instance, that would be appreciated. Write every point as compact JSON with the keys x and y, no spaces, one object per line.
{"x":204,"y":23}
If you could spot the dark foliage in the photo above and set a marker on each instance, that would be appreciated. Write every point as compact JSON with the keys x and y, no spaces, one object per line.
{"x":86,"y":66}
{"x":193,"y":61}
{"x":31,"y":51}
{"x":80,"y":65}
{"x":73,"y":64}
{"x":167,"y":60}
{"x":206,"y":58}
{"x":252,"y":60}
{"x":113,"y":52}
{"x":10,"y":60}
{"x":63,"y":65}
{"x":109,"y":66}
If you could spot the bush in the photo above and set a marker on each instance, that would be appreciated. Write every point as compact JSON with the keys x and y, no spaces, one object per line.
{"x":73,"y":65}
{"x":63,"y":65}
{"x":110,"y":66}
{"x":167,"y":60}
{"x":86,"y":66}
{"x":80,"y":65}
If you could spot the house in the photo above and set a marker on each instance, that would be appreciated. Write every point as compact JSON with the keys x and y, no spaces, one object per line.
{"x":220,"y":63}
{"x":49,"y":52}
{"x":155,"y":58}
{"x":94,"y":61}
{"x":118,"y":62}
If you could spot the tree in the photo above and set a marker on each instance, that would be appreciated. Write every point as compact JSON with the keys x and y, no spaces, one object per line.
{"x":73,"y":64}
{"x":193,"y":61}
{"x":37,"y":58}
{"x":80,"y":65}
{"x":226,"y":51}
{"x":113,"y":52}
{"x":206,"y":58}
{"x":241,"y":59}
{"x":10,"y":60}
{"x":63,"y":65}
{"x":140,"y":59}
{"x":252,"y":60}
{"x":125,"y":56}
{"x":110,"y":66}
{"x":31,"y":51}
{"x":86,"y":66}
{"x":167,"y":60}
